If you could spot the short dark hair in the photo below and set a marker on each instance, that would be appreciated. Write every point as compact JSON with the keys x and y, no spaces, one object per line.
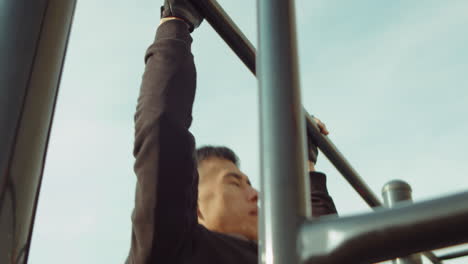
{"x":222,"y":152}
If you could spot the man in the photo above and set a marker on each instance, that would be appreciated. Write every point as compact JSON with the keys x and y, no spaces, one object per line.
{"x":190,"y":206}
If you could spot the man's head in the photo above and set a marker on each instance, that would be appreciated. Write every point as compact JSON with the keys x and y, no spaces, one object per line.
{"x":227,"y":203}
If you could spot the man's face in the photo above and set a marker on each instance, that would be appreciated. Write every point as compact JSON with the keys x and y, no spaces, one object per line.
{"x":227,"y":203}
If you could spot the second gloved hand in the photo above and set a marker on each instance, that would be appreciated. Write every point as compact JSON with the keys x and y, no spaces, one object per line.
{"x":184,"y":10}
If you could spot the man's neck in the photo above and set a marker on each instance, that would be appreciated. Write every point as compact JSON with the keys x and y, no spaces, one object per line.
{"x":241,"y":237}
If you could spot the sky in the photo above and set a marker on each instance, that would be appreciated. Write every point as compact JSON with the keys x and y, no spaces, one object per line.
{"x":387,"y":77}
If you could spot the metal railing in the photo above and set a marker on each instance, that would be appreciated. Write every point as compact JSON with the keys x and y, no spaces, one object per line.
{"x":271,"y":39}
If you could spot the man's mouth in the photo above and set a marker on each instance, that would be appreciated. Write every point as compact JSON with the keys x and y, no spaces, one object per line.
{"x":253,"y":212}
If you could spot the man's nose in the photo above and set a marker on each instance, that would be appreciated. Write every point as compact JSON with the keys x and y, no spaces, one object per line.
{"x":253,"y":195}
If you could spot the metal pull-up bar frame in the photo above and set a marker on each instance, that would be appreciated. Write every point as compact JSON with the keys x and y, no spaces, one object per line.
{"x":243,"y":48}
{"x":278,"y":61}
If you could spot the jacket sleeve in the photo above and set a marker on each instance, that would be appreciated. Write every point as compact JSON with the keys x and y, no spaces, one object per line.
{"x":165,"y":215}
{"x":322,"y":203}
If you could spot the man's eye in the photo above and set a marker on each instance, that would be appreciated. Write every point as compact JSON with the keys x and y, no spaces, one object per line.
{"x":236,"y":184}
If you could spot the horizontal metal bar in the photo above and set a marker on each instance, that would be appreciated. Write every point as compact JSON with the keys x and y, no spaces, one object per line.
{"x":365,"y":238}
{"x":229,"y":31}
{"x":453,"y":255}
{"x":341,"y":163}
{"x":233,"y":36}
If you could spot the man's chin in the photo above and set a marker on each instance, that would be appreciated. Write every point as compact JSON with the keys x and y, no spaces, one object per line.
{"x":253,"y":234}
{"x":254,"y":237}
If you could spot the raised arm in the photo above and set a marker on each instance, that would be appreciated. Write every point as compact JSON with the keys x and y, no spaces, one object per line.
{"x":166,"y":191}
{"x":321,"y":202}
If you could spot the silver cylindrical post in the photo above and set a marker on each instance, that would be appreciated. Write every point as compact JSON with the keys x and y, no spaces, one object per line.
{"x":395,"y":192}
{"x":283,"y":197}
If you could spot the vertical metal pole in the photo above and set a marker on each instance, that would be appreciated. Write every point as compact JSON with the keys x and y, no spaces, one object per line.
{"x":33,"y":41}
{"x":393,"y":193}
{"x":282,"y":134}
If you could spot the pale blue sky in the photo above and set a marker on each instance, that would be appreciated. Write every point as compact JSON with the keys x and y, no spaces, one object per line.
{"x":387,"y":77}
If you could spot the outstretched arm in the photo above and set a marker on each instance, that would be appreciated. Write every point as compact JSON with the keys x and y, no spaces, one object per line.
{"x":322,"y":203}
{"x":166,"y":193}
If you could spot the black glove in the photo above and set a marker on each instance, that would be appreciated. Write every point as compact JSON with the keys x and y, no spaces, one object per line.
{"x":182,"y":9}
{"x":312,"y":150}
